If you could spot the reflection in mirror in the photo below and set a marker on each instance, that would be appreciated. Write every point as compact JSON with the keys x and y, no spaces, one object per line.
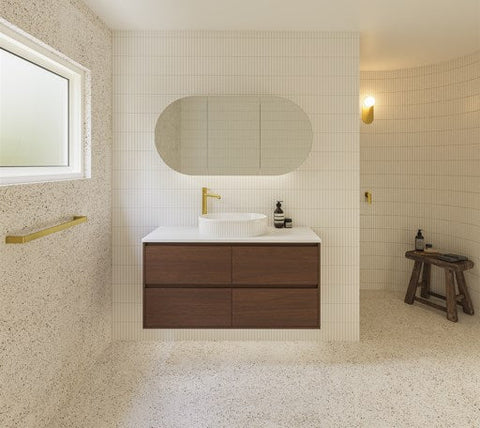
{"x":233,"y":135}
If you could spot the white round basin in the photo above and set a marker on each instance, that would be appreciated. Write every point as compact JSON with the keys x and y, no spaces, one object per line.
{"x":232,"y":224}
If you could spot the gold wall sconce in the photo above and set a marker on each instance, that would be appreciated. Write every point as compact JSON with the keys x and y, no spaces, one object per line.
{"x":367,"y":109}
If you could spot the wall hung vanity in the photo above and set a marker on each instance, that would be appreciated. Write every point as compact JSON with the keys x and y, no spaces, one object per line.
{"x":192,"y":280}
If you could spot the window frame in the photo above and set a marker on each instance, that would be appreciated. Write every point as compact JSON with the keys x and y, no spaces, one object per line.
{"x":19,"y":43}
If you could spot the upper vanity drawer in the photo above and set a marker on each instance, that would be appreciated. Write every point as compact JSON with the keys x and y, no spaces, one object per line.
{"x":276,"y":265}
{"x":187,"y":264}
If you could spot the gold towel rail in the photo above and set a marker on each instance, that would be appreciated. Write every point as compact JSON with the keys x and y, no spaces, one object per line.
{"x":41,"y":233}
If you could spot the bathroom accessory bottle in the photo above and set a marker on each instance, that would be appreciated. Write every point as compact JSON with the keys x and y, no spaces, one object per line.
{"x":279,"y":216}
{"x":419,"y":241}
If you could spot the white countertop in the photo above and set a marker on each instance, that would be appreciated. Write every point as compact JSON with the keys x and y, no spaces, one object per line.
{"x":295,"y":235}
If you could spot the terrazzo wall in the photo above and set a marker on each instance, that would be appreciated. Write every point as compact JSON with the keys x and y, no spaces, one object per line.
{"x":421,"y":159}
{"x":319,"y":72}
{"x":55,"y":300}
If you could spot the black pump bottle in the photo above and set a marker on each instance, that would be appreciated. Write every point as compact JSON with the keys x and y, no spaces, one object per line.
{"x":279,"y":216}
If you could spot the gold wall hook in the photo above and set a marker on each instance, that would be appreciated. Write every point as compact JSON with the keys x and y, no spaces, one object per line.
{"x":368,"y":197}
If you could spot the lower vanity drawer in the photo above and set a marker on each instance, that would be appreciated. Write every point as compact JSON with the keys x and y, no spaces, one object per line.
{"x":275,"y":308}
{"x":187,"y":308}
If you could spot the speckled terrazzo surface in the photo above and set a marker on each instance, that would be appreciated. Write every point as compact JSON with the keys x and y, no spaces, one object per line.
{"x":55,"y":298}
{"x":412,"y":368}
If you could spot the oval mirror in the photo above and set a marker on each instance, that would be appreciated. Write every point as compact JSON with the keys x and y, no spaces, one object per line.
{"x":233,"y":135}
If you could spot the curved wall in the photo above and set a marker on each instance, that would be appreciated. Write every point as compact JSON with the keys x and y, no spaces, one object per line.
{"x":421,"y":160}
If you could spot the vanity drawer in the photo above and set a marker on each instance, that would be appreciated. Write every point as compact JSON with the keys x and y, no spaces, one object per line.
{"x":292,"y":265}
{"x":187,"y":308}
{"x":187,"y":264}
{"x":275,"y":308}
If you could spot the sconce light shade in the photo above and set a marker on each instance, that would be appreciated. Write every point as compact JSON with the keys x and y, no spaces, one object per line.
{"x":367,"y":109}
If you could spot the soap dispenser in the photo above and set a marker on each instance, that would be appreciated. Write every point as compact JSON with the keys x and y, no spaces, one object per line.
{"x":419,"y":241}
{"x":279,"y":216}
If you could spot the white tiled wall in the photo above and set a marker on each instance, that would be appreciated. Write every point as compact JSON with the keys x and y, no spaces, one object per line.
{"x":319,"y":72}
{"x":421,"y":160}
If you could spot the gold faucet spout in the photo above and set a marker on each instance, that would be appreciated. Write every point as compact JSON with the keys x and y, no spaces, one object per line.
{"x":205,"y":196}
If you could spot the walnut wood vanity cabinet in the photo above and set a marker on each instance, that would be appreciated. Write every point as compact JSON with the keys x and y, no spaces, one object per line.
{"x":220,"y":285}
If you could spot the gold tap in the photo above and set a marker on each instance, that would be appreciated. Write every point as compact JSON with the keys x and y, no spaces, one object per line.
{"x":206,"y":195}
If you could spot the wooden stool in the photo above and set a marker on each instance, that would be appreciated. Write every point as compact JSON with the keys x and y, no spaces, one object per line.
{"x":451,"y":269}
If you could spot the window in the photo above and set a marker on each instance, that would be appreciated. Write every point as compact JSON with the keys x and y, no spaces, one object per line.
{"x":43,"y":105}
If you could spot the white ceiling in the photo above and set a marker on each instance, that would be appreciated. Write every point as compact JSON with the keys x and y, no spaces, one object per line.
{"x":394,"y":34}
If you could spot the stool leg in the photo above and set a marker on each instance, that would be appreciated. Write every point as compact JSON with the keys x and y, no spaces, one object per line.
{"x":450,"y":296}
{"x":462,"y":288}
{"x":425,"y":291}
{"x":412,"y":286}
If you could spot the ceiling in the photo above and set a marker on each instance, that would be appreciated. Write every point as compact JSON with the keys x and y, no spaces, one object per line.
{"x":394,"y":34}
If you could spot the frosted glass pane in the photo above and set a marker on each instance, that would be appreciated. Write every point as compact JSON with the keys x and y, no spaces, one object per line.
{"x":33,"y":114}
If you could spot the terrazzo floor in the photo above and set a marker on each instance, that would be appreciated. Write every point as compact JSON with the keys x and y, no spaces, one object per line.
{"x":412,"y":368}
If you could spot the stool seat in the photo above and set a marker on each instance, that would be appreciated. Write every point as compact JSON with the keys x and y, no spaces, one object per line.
{"x":423,"y":262}
{"x":432,"y":258}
